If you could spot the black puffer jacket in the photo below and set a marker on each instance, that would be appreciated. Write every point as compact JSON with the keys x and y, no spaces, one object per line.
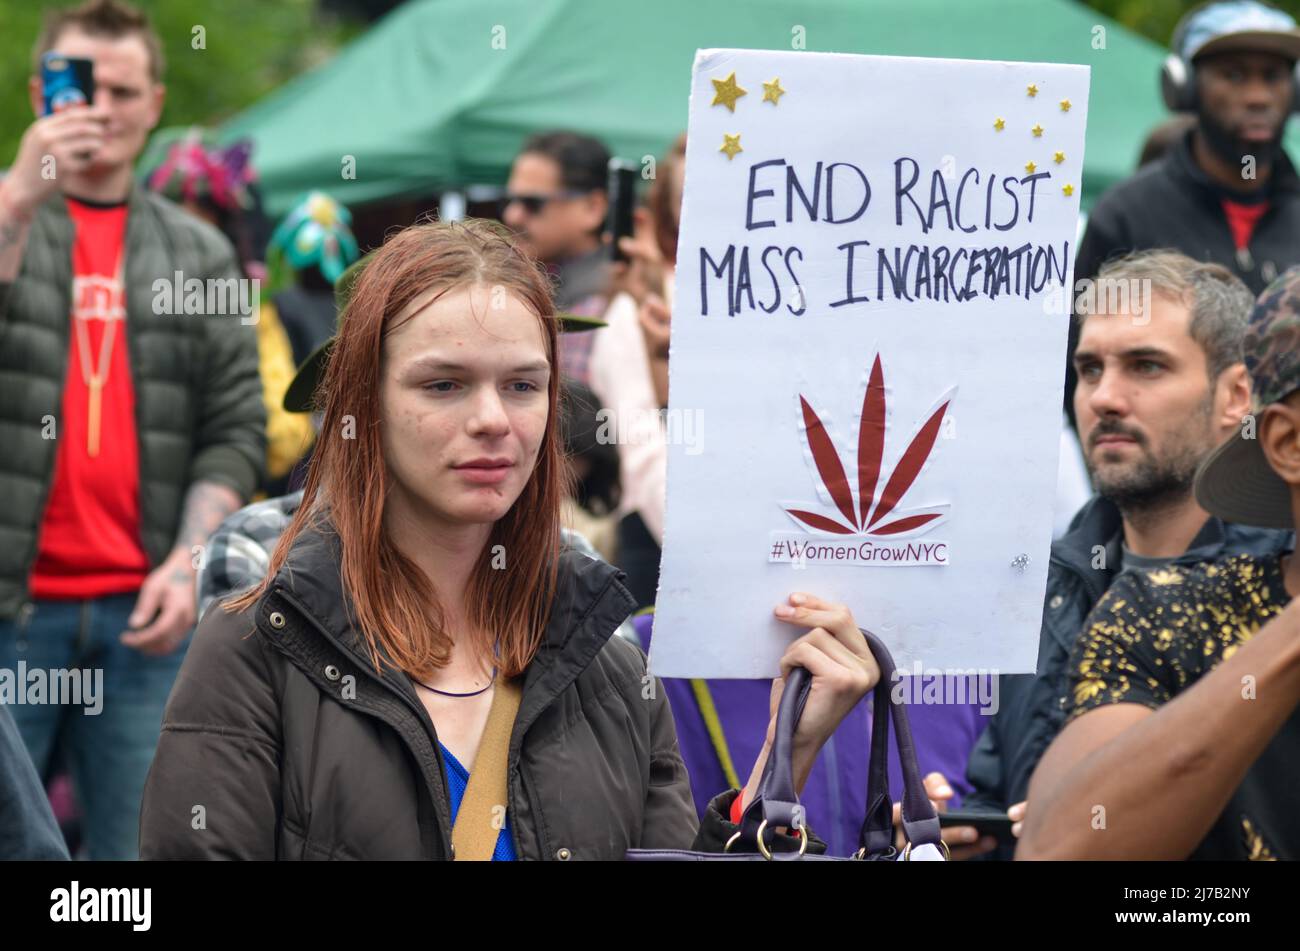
{"x":198,"y":394}
{"x":286,"y":763}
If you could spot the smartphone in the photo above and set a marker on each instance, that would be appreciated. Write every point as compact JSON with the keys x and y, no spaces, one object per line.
{"x":622,"y":203}
{"x":996,"y":824}
{"x":66,"y":81}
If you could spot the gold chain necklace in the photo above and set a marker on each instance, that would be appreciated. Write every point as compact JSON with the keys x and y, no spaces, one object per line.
{"x":96,"y":379}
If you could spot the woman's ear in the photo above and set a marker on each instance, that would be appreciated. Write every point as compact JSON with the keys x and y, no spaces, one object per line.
{"x":1279,"y":436}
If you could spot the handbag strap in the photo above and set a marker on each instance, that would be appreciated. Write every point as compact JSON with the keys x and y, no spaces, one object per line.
{"x":478,"y":823}
{"x":777,"y":803}
{"x":877,"y":836}
{"x":920,"y":821}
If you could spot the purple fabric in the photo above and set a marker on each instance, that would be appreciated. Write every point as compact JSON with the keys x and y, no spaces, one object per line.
{"x":945,"y":733}
{"x":835,"y":796}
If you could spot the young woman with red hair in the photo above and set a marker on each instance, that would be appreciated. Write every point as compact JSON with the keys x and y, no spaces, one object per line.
{"x":338,"y":709}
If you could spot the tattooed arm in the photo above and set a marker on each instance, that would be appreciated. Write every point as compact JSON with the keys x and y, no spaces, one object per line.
{"x":206,"y":506}
{"x":165,"y":610}
{"x":229,"y":443}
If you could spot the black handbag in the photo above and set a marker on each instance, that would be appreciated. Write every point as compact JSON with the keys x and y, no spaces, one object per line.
{"x":776,"y":803}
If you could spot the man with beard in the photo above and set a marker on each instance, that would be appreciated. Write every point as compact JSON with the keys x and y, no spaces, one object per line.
{"x":1161,"y":384}
{"x":1226,"y":192}
{"x":1182,"y":732}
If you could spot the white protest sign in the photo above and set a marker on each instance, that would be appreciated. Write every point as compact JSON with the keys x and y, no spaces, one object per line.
{"x":870,"y":327}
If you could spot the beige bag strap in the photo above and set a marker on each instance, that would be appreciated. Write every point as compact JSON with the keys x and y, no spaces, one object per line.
{"x":482,"y":812}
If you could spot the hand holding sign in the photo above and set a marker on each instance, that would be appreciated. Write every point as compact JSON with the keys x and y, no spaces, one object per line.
{"x":843,"y":672}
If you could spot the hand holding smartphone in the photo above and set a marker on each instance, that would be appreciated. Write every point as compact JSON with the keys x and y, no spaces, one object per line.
{"x":67,"y":82}
{"x":995,"y":824}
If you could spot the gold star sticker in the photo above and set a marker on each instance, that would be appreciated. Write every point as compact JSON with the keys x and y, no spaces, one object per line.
{"x":726,"y":92}
{"x":1037,"y":130}
{"x":1065,"y":105}
{"x":1032,"y":90}
{"x":1058,"y":157}
{"x":999,"y":123}
{"x":731,"y":145}
{"x":1068,"y":190}
{"x":1030,"y":167}
{"x":772,"y":92}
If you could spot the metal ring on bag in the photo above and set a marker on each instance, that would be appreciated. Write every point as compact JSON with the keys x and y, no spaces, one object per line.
{"x":861,"y":854}
{"x":947,"y":853}
{"x":803,"y":840}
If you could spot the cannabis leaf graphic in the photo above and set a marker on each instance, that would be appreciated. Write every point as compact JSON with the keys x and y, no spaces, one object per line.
{"x":871,"y":450}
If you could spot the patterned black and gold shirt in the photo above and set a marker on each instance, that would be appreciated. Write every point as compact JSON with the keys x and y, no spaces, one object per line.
{"x":1154,"y":635}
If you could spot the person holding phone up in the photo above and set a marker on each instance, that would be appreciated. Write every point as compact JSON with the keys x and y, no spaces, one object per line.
{"x":115,"y":471}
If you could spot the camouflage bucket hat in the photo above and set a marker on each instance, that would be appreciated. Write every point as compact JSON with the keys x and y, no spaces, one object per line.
{"x":1236,"y":482}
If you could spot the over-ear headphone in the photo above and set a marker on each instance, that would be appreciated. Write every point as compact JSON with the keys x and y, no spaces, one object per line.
{"x":1178,"y":84}
{"x":1178,"y":75}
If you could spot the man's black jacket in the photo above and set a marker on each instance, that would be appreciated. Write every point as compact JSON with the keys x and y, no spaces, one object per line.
{"x":1171,"y":203}
{"x":1083,"y":564}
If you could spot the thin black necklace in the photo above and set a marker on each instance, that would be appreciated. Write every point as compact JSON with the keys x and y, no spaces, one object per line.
{"x":472,"y":693}
{"x":496,"y":652}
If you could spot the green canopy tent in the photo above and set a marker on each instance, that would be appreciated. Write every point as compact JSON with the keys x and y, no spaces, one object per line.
{"x":441,"y":93}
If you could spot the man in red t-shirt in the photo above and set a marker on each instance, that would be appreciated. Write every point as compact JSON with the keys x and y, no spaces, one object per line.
{"x":155,"y":420}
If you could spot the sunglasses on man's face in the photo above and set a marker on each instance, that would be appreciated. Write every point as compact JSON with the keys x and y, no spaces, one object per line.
{"x":533,"y":204}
